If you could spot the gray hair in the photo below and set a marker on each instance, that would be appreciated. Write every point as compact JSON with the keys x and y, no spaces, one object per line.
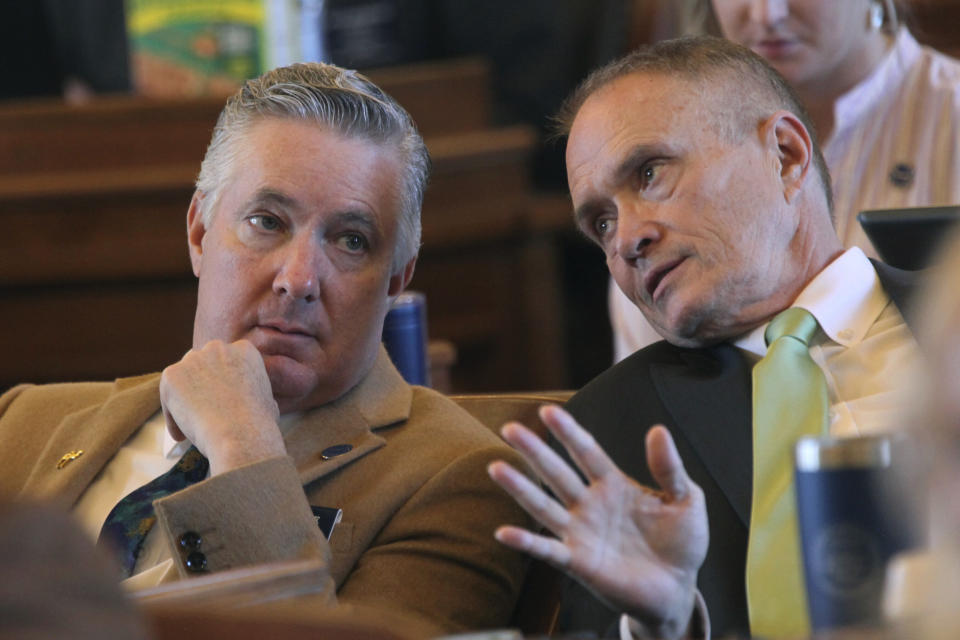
{"x":761,"y":90}
{"x":341,"y":99}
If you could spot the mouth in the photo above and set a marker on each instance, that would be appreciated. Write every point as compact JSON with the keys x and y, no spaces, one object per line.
{"x":654,"y":278}
{"x":281,"y":328}
{"x":775,"y":47}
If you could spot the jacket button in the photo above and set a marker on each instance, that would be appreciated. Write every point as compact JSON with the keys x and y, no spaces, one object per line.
{"x":335,"y":450}
{"x":196,"y":562}
{"x":190,"y":541}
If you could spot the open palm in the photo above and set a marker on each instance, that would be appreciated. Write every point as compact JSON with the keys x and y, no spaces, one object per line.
{"x":637,"y":548}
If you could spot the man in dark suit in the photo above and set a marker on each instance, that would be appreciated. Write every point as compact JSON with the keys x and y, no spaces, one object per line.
{"x":695,"y":169}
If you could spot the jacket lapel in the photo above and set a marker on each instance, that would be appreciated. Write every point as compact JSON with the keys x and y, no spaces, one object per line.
{"x":98,"y":432}
{"x":708,"y":394}
{"x":381,"y":399}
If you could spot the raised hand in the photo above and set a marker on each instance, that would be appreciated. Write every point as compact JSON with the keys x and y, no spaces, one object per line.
{"x":219,"y":396}
{"x":637,"y":548}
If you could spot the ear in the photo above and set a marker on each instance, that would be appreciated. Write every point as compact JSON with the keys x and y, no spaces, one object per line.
{"x":794,"y":148}
{"x":400,"y":280}
{"x":195,"y":231}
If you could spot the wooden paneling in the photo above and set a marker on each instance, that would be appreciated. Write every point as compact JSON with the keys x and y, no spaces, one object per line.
{"x":936,"y":23}
{"x":93,"y":332}
{"x":127,"y":131}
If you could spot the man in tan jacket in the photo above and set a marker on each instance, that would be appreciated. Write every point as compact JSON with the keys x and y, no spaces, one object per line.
{"x":304,"y":224}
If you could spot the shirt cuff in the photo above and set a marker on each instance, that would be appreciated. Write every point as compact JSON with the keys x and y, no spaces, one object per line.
{"x":698,"y":629}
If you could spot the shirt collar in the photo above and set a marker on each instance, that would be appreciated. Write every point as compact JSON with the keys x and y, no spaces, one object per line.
{"x":878,"y":85}
{"x":846,"y":298}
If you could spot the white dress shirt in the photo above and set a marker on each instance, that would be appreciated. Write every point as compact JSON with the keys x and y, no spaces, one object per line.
{"x":866,"y":350}
{"x":895,"y":143}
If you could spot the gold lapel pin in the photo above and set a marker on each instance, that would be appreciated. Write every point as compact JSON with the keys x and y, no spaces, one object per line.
{"x":69,"y":457}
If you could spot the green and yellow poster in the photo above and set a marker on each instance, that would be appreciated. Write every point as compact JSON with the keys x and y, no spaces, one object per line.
{"x":198,"y":47}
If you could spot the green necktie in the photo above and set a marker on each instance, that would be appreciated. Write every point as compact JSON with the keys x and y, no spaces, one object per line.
{"x":789,"y":401}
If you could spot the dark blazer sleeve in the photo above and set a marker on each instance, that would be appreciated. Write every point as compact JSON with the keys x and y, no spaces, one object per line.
{"x":702,"y":397}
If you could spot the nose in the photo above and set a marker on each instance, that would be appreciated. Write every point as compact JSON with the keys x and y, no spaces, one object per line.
{"x":768,"y":12}
{"x":635,"y":234}
{"x":298,"y":272}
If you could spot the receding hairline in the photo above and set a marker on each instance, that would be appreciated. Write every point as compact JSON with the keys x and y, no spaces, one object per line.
{"x":703,"y":83}
{"x":724,"y":110}
{"x":707,"y":62}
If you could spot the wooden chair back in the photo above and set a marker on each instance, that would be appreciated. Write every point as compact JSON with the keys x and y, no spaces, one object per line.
{"x":539,"y":602}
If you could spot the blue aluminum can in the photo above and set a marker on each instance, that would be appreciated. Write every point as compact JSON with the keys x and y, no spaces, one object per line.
{"x":405,"y":337}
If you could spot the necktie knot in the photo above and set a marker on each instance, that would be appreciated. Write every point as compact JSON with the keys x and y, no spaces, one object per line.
{"x":795,"y":322}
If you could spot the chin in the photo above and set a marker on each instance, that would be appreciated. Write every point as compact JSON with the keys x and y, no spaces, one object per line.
{"x":299,"y":387}
{"x":291,"y":381}
{"x":682,"y":328}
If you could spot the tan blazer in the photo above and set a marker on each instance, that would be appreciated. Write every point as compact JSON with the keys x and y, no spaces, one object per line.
{"x":418,"y":507}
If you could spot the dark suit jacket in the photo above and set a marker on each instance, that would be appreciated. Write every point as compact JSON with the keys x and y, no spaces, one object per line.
{"x":703,"y":398}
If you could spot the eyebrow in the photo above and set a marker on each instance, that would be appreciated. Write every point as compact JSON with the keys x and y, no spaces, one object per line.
{"x":267,"y":196}
{"x":271,"y":198}
{"x":637,"y":156}
{"x":583,"y":213}
{"x":358,"y":217}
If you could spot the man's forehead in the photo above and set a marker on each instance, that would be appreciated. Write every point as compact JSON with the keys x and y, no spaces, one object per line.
{"x":295,"y":164}
{"x":638,"y":87}
{"x":633,"y":102}
{"x":638,"y":108}
{"x":655,"y":106}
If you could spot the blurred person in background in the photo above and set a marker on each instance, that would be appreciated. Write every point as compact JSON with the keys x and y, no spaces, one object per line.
{"x":886,"y":110}
{"x":68,"y":48}
{"x":53,"y":582}
{"x":921,"y":586}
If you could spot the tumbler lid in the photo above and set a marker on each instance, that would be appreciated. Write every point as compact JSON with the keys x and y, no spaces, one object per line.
{"x":408,"y":307}
{"x":408,"y":298}
{"x":815,"y":453}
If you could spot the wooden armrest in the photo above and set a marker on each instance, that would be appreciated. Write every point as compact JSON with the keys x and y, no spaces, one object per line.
{"x":240,"y":587}
{"x":268,"y":601}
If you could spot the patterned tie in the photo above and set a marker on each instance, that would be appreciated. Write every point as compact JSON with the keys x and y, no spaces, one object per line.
{"x":789,"y":401}
{"x":131,"y":519}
